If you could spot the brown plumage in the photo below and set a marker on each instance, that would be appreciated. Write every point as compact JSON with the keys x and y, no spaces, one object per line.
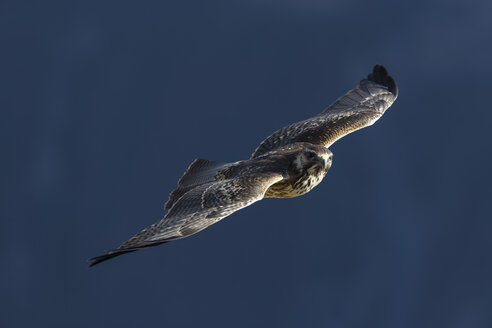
{"x":289,"y":163}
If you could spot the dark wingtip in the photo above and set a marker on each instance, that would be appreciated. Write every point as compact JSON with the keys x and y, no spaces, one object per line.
{"x":117,"y":252}
{"x":380,"y":75}
{"x":107,"y":256}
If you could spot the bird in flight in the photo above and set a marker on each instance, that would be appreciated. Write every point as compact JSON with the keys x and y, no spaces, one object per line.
{"x":289,"y":163}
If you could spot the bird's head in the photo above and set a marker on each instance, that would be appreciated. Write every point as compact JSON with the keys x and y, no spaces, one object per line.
{"x":313,"y":159}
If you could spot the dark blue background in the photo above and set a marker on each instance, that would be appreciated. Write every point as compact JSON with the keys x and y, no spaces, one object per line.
{"x":104,"y":104}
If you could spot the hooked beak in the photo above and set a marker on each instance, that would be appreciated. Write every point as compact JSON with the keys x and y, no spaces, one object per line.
{"x":327,"y":160}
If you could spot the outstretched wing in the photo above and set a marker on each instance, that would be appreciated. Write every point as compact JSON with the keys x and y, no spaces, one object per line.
{"x":357,"y":109}
{"x":199,"y":172}
{"x":197,"y":209}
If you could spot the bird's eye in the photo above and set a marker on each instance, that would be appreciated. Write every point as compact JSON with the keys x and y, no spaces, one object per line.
{"x":310,"y":155}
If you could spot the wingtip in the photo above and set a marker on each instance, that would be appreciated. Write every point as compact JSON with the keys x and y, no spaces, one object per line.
{"x":380,"y":75}
{"x":107,"y":256}
{"x":124,"y":250}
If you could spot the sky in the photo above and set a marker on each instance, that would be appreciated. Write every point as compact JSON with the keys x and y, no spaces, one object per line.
{"x":105,"y":103}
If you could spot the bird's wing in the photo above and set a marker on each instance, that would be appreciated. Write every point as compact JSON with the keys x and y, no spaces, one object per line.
{"x":357,"y":109}
{"x":199,"y":172}
{"x":197,"y":209}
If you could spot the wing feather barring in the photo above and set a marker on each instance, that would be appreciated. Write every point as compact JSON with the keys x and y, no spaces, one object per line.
{"x":289,"y":163}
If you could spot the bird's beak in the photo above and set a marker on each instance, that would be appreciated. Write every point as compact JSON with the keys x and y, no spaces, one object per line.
{"x":326,"y":160}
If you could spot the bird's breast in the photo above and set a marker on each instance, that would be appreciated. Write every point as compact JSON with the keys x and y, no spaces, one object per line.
{"x":293,"y":187}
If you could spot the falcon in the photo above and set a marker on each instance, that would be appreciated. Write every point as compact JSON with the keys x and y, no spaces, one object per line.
{"x":288,"y":163}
